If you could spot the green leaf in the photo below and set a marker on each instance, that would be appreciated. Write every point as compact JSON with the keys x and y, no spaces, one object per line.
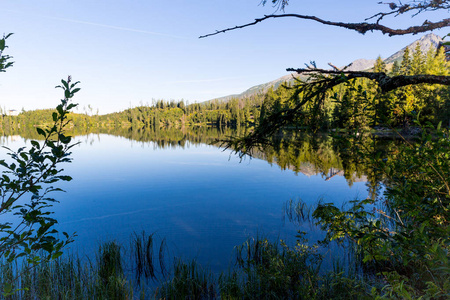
{"x":6,"y":178}
{"x":7,"y":289}
{"x":70,"y":106}
{"x":65,"y":139}
{"x":59,"y":108}
{"x":65,"y":84}
{"x":65,"y":178}
{"x":40,"y":131}
{"x":35,"y":144}
{"x":24,"y":156}
{"x":56,"y":255}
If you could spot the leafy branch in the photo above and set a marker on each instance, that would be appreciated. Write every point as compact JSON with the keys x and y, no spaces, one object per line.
{"x":4,"y":59}
{"x":30,"y":171}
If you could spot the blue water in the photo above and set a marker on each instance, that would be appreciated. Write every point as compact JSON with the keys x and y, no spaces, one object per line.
{"x":201,"y":199}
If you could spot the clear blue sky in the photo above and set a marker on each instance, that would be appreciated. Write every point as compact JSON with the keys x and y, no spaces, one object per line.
{"x":130,"y":52}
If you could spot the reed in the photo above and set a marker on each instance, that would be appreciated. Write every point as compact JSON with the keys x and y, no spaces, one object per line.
{"x":142,"y":254}
{"x":297,"y":211}
{"x":70,"y":277}
{"x":262,"y":269}
{"x":189,"y":281}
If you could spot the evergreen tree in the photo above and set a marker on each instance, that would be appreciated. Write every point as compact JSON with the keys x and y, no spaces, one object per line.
{"x":418,"y":61}
{"x":405,"y":66}
{"x":379,"y":66}
{"x":395,"y":68}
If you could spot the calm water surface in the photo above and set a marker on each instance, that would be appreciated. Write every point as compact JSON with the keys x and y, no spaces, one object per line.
{"x":202,"y":200}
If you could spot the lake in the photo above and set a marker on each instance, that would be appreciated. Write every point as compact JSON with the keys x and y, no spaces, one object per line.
{"x":203,"y":200}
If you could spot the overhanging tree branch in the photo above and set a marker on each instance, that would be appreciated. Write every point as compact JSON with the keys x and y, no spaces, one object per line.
{"x":416,"y":7}
{"x":314,"y":91}
{"x":359,"y":27}
{"x":385,"y":82}
{"x":310,"y":93}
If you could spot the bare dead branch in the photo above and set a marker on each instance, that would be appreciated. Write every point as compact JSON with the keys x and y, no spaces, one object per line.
{"x":416,"y":7}
{"x":385,"y":82}
{"x":359,"y":27}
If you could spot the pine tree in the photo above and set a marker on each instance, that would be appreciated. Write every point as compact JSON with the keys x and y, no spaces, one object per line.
{"x":418,"y":61}
{"x":436,"y":97}
{"x":395,"y":68}
{"x":377,"y":104}
{"x":404,"y":104}
{"x":405,"y":66}
{"x":379,"y":66}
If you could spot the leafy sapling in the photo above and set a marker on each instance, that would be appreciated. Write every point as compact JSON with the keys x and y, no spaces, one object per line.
{"x":25,"y":187}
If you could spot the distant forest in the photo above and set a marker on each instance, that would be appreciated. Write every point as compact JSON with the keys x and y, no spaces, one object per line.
{"x":351,"y":105}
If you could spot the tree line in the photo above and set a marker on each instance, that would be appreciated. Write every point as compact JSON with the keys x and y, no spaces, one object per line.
{"x":352,"y":105}
{"x":359,"y":103}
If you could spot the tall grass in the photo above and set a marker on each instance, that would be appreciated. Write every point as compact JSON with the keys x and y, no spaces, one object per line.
{"x":70,"y":277}
{"x":297,"y":211}
{"x":262,"y":270}
{"x":189,"y":281}
{"x":142,"y":254}
{"x":268,"y":270}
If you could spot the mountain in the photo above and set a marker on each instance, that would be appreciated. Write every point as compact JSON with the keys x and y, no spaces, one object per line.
{"x":425,"y":42}
{"x":361,"y":64}
{"x":261,"y":88}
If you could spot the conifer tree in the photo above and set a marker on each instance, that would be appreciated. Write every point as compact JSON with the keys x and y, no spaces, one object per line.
{"x":405,"y":65}
{"x":395,"y":68}
{"x":380,"y":65}
{"x":417,"y":61}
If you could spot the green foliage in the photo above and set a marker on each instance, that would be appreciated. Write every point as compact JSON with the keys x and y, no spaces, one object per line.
{"x":111,"y":279}
{"x":31,"y":173}
{"x":321,"y":102}
{"x":275,"y":271}
{"x":4,"y":59}
{"x":70,"y":277}
{"x":267,"y":270}
{"x":400,"y":239}
{"x":236,"y":112}
{"x":189,"y":281}
{"x":405,"y":238}
{"x":380,"y":66}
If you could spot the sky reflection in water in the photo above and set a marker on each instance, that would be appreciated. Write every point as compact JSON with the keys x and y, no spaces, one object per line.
{"x":203,"y":200}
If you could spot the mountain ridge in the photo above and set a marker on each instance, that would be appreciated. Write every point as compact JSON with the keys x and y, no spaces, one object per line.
{"x":362,"y":64}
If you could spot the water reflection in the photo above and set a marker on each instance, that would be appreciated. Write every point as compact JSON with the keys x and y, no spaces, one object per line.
{"x":308,"y":154}
{"x":203,"y":200}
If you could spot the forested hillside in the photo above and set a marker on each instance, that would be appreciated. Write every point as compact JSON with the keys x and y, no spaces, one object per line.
{"x":349,"y":105}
